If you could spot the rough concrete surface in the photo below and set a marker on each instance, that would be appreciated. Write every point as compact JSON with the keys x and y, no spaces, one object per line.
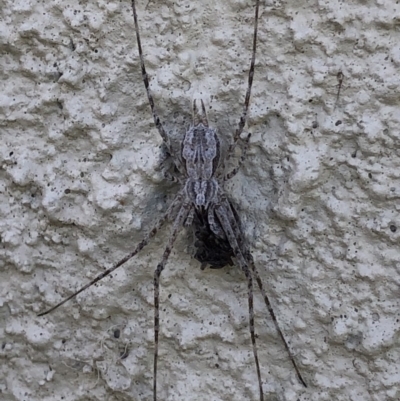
{"x":318,"y":197}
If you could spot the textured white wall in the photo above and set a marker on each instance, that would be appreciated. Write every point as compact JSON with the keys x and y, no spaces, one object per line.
{"x":318,"y":195}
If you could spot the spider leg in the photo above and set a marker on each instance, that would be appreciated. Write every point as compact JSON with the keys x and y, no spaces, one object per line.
{"x":165,"y":166}
{"x":222,"y":212}
{"x":249,"y":258}
{"x":234,"y":171}
{"x":214,"y":224}
{"x":146,"y":80}
{"x":178,"y":223}
{"x":189,"y":219}
{"x":243,"y":117}
{"x":170,"y":177}
{"x":272,"y":313}
{"x":137,"y":249}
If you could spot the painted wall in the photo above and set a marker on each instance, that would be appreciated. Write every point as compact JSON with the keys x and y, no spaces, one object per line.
{"x":318,"y":196}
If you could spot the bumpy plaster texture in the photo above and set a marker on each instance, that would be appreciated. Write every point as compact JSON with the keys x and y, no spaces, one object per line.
{"x":318,"y":195}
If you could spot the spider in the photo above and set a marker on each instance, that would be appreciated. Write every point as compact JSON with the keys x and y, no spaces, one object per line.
{"x":201,"y":203}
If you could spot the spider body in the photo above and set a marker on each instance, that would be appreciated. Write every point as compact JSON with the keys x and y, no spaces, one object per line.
{"x":201,"y":203}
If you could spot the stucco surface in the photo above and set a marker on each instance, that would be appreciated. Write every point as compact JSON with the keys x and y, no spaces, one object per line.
{"x":318,"y":196}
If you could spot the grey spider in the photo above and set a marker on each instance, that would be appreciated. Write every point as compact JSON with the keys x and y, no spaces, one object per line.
{"x":201,"y":203}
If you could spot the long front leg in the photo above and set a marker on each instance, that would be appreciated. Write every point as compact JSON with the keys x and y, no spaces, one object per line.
{"x":243,"y":117}
{"x":235,"y":170}
{"x":146,"y":80}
